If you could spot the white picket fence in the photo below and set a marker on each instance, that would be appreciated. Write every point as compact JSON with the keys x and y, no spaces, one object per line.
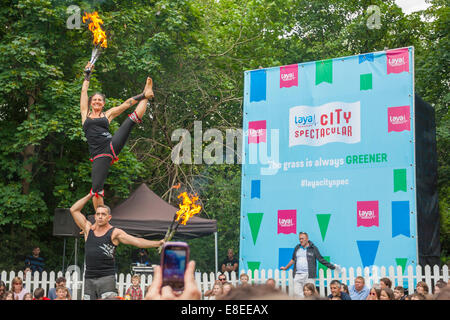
{"x":283,"y":279}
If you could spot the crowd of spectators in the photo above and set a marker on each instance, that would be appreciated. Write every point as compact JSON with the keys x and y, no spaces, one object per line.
{"x":223,"y":289}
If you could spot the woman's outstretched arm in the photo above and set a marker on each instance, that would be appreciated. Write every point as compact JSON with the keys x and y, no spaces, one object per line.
{"x":84,"y":105}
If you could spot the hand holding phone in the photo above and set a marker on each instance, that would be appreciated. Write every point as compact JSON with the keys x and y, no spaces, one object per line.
{"x":160,"y":291}
{"x":174,"y":258}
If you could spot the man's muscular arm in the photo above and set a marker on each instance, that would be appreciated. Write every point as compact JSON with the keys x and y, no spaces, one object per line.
{"x":79,"y":217}
{"x":121,"y":236}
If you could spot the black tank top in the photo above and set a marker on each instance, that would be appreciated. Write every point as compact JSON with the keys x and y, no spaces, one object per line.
{"x":97,"y":134}
{"x":100,"y":255}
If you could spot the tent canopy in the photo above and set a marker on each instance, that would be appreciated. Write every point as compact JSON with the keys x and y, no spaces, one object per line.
{"x":145,"y":214}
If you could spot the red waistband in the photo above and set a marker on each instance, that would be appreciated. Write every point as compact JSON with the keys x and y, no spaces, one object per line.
{"x":113,"y":156}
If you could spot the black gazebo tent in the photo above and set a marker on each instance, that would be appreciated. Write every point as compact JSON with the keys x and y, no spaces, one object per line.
{"x":145,"y":214}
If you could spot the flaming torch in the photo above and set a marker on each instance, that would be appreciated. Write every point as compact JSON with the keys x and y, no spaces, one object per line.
{"x":99,"y":35}
{"x":188,"y":208}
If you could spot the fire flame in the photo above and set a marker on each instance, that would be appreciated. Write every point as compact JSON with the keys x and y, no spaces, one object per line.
{"x":177,"y":186}
{"x":96,"y":29}
{"x":188,"y":208}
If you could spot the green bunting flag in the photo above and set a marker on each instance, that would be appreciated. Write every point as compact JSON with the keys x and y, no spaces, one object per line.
{"x":365,"y":81}
{"x":253,"y":265}
{"x":254,"y":219}
{"x":399,"y":180}
{"x":323,"y":220}
{"x":324,"y":71}
{"x":402,"y":262}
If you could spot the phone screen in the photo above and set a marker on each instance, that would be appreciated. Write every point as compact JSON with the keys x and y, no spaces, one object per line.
{"x":174,"y":267}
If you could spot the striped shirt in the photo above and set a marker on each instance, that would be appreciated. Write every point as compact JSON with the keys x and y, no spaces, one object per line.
{"x":35,"y":263}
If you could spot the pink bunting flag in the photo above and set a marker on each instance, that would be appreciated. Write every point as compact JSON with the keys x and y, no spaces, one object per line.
{"x":397,"y":60}
{"x":287,"y":221}
{"x":399,"y":119}
{"x":257,"y":131}
{"x":289,"y":76}
{"x":367,"y":213}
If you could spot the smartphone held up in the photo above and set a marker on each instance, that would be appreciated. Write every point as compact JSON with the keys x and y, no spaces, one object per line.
{"x":174,"y":259}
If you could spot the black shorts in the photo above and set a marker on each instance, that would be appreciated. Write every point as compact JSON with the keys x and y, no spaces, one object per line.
{"x":100,"y":288}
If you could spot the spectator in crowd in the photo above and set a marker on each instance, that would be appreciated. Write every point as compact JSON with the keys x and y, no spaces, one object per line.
{"x":217,"y":291}
{"x":221,"y":279}
{"x":417,"y":296}
{"x":385,"y":283}
{"x":335,"y":287}
{"x":440,"y":284}
{"x":423,"y":289}
{"x":310,"y":291}
{"x":2,"y":289}
{"x":9,"y":295}
{"x":399,"y":293}
{"x":387,"y":294}
{"x":344,"y":288}
{"x":256,"y":292}
{"x":18,"y":289}
{"x":230,"y":263}
{"x":226,"y":288}
{"x":34,"y":261}
{"x":304,"y":260}
{"x":243,"y":278}
{"x":374,"y":293}
{"x":39,"y":294}
{"x":444,"y":294}
{"x":62,"y":293}
{"x":271,"y":282}
{"x":26,"y":271}
{"x":27,"y":296}
{"x":135,"y":291}
{"x":190,"y":292}
{"x":60,"y":282}
{"x":140,"y":256}
{"x":358,"y":290}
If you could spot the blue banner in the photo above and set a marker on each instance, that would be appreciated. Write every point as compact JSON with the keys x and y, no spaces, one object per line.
{"x":258,"y":85}
{"x":256,"y":189}
{"x":400,"y":218}
{"x":322,"y":141}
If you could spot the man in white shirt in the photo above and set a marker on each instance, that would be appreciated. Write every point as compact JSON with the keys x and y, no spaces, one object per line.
{"x":304,"y":261}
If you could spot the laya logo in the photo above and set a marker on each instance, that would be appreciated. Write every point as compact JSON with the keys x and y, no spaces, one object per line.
{"x":331,"y":122}
{"x":399,"y":119}
{"x":305,"y":121}
{"x":287,"y":221}
{"x":288,"y":76}
{"x":367,"y":214}
{"x":396,"y":62}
